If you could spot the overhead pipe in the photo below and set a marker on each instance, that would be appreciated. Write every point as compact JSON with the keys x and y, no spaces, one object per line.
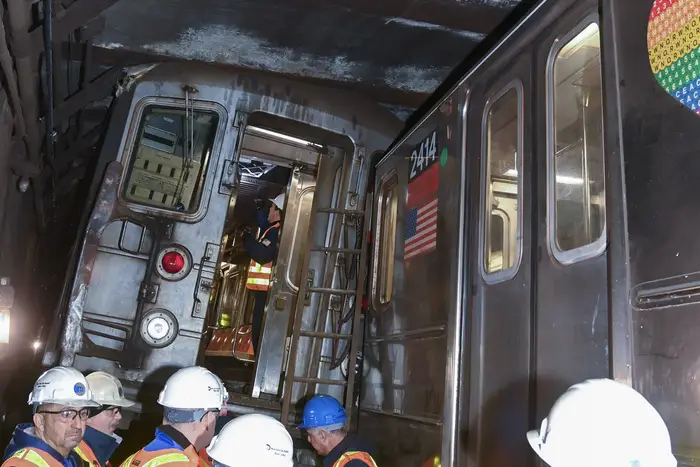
{"x":19,"y":19}
{"x":8,"y":70}
{"x":19,"y":22}
{"x":48,"y":76}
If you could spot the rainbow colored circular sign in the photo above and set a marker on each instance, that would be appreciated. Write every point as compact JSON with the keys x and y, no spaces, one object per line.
{"x":673,"y":41}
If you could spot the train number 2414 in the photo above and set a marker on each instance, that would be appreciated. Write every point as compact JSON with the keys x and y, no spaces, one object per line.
{"x":424,"y":155}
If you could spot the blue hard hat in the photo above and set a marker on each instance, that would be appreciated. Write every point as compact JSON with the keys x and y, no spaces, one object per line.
{"x":322,"y":410}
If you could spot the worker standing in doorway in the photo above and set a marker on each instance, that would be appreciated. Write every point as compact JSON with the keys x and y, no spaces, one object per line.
{"x":324,"y":422}
{"x":192,"y":398}
{"x":263,"y":253}
{"x":100,"y":440}
{"x":61,"y":401}
{"x":604,"y":423}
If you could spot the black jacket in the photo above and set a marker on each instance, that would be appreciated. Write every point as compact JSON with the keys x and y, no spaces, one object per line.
{"x":265,"y":250}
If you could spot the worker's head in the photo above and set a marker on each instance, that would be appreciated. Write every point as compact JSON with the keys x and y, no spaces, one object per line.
{"x":324,"y":422}
{"x":109,"y":393}
{"x":61,"y":400}
{"x":252,"y":439}
{"x":603,"y":423}
{"x":276,"y":208}
{"x":193,"y":398}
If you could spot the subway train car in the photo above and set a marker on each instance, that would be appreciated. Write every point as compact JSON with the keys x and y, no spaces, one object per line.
{"x":191,"y":158}
{"x":535,"y":229}
{"x":501,"y":250}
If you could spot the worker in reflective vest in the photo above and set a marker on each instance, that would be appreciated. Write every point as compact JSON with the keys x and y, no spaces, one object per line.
{"x":324,"y":422}
{"x":263,"y":252}
{"x":100,"y":440}
{"x":60,"y":400}
{"x":192,"y":398}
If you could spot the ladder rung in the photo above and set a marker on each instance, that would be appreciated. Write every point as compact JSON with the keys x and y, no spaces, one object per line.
{"x":336,"y":250}
{"x":340,"y":211}
{"x":332,"y":291}
{"x":328,"y":335}
{"x":337,"y":382}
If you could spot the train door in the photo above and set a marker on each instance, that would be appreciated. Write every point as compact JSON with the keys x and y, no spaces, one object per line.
{"x":270,"y":164}
{"x":571,"y":325}
{"x":502,"y":271}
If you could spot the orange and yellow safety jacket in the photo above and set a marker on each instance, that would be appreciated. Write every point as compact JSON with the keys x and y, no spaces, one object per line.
{"x":172,"y":457}
{"x":31,"y":457}
{"x":259,"y":275}
{"x":349,"y":456}
{"x":86,"y":453}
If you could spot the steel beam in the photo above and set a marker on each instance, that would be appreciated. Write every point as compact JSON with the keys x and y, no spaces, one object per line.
{"x":76,"y":15}
{"x":380,"y":94}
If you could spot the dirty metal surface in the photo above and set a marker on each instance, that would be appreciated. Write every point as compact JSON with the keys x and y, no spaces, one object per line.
{"x":408,"y":45}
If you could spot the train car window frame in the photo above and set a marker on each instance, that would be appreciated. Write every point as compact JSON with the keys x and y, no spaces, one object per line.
{"x":484,"y":217}
{"x":209,"y":173}
{"x":384,"y":231}
{"x":591,"y":249}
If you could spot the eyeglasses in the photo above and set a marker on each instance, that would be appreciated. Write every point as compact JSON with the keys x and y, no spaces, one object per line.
{"x":114,"y":409}
{"x":69,"y":414}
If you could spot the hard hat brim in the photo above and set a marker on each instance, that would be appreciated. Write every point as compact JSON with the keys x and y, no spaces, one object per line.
{"x":121,"y":403}
{"x":533,"y":438}
{"x":70,"y":403}
{"x":281,"y":208}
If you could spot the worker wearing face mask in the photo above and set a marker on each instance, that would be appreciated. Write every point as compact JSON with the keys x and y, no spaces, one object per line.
{"x":61,"y":400}
{"x":100,"y":440}
{"x":603,"y":423}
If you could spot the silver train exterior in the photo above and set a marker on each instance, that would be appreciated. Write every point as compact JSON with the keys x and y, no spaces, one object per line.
{"x":564,"y":164}
{"x":536,"y":228}
{"x":123,"y":312}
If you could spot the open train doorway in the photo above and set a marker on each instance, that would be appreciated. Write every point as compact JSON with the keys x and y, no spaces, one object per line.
{"x":268,"y":215}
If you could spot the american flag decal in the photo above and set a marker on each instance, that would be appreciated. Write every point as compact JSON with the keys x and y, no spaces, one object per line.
{"x":421,"y":229}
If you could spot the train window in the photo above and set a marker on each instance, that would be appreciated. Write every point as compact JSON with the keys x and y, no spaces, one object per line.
{"x":168,"y":165}
{"x":388,"y":205}
{"x":502,"y":184}
{"x":576,"y":170}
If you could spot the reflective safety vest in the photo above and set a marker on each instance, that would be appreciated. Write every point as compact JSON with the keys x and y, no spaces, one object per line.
{"x":32,"y":457}
{"x":355,"y":456}
{"x":205,"y":457}
{"x":259,"y":275}
{"x":85,"y":452}
{"x":172,"y":457}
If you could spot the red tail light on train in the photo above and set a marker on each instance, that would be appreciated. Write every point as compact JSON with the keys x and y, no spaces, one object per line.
{"x":173,"y":262}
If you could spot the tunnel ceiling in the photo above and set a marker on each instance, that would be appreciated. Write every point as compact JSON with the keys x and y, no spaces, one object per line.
{"x":404,"y":48}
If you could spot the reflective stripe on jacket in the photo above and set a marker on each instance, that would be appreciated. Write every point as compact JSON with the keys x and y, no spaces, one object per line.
{"x":172,"y":457}
{"x":29,"y":457}
{"x":355,"y":456}
{"x":85,"y":453}
{"x":259,"y":275}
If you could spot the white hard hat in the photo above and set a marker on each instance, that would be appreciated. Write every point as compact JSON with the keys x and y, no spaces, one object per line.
{"x":64,"y":386}
{"x":107,"y":390}
{"x":193,"y":388}
{"x":278,"y":201}
{"x":253,"y":439}
{"x":603,"y":423}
